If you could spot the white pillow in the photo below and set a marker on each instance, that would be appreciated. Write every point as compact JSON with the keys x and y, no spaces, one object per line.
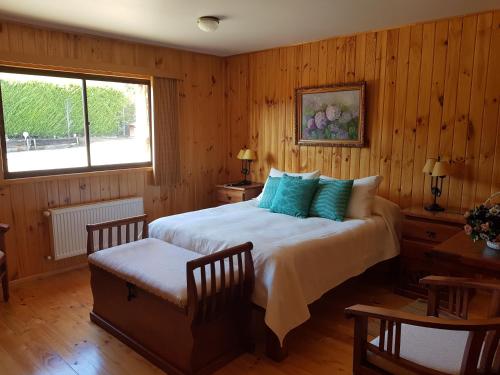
{"x":277,"y":173}
{"x":362,"y":196}
{"x":305,"y":176}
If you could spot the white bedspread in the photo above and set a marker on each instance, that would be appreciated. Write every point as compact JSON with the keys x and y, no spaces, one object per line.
{"x":296,"y":260}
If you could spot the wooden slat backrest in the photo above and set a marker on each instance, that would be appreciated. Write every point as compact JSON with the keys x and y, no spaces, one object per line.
{"x":128,"y":224}
{"x":206,"y":302}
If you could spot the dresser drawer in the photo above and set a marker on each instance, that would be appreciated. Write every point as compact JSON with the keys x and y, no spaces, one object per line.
{"x":428,"y":231}
{"x":229,"y":196}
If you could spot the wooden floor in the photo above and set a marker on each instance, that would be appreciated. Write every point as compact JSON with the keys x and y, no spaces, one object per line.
{"x":45,"y":329}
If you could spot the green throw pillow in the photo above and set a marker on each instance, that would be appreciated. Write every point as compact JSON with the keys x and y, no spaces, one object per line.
{"x":270,"y":189}
{"x":331,"y":199}
{"x":294,"y":196}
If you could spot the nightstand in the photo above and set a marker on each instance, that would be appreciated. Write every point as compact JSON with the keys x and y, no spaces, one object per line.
{"x":232,"y":194}
{"x":422,"y":231}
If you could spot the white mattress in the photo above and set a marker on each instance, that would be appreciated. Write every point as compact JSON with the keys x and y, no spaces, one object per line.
{"x":296,"y":260}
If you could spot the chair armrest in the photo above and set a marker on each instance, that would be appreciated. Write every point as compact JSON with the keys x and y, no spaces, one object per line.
{"x":462,"y":282}
{"x":421,"y":321}
{"x":4,"y":228}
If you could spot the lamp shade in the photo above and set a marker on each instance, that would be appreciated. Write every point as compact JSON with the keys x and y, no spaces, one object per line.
{"x":439,"y":169}
{"x":241,"y":153}
{"x":429,"y":165}
{"x":249,"y":155}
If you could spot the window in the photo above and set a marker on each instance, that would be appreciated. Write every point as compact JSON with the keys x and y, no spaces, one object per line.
{"x":57,"y":123}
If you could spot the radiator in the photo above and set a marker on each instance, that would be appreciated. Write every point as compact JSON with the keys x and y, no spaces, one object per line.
{"x":67,"y":224}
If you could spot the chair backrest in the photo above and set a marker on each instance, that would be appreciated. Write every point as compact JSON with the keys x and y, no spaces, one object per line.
{"x":225,"y":287}
{"x":116,"y":232}
{"x":482,"y":352}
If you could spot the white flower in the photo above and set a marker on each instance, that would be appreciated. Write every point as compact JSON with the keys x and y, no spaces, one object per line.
{"x":483,"y":236}
{"x":345,"y":117}
{"x":332,"y":113}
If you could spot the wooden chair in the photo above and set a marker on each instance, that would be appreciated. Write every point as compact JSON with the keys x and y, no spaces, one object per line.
{"x":3,"y":262}
{"x":409,"y":344}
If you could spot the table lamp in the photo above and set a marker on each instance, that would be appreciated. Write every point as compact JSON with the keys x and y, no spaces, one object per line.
{"x":437,"y":170}
{"x":246,"y":156}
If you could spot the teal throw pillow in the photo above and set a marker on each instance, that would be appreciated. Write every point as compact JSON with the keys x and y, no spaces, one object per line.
{"x":270,"y":189}
{"x":331,"y":199}
{"x":294,"y":196}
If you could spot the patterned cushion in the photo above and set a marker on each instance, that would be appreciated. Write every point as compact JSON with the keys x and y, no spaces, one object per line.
{"x":269,"y":192}
{"x":270,"y":189}
{"x":294,"y":196}
{"x":331,"y":199}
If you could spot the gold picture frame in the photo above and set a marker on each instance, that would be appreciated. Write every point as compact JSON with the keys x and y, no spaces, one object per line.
{"x":332,"y":115}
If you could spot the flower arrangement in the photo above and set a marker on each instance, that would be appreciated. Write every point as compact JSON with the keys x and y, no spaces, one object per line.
{"x":483,"y":223}
{"x":330,"y":122}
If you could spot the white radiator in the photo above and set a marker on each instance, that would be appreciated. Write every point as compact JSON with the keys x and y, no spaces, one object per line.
{"x":67,"y":224}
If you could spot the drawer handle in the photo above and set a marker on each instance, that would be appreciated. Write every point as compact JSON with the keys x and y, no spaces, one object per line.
{"x":431,"y":234}
{"x":229,"y":197}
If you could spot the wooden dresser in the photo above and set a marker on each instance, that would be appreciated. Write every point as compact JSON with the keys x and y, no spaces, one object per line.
{"x":232,"y":194}
{"x":422,"y":231}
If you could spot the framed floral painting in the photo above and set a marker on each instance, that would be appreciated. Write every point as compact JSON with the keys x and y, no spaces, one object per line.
{"x":331,"y":115}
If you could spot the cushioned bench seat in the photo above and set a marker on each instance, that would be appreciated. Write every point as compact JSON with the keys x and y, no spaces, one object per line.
{"x":150,"y":264}
{"x":187,"y":313}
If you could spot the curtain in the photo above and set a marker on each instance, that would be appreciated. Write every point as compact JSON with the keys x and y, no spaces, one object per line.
{"x":166,"y":153}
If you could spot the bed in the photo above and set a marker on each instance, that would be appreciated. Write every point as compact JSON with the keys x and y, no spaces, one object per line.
{"x":296,"y":260}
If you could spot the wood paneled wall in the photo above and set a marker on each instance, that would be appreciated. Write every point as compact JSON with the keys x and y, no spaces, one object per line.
{"x":432,"y":89}
{"x":202,"y":135}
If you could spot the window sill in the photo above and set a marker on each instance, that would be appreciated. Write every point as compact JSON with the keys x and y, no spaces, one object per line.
{"x":66,"y":176}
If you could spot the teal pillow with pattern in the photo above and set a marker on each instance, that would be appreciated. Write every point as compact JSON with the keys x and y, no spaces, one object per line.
{"x":270,"y":189}
{"x":294,"y":196}
{"x":331,"y":199}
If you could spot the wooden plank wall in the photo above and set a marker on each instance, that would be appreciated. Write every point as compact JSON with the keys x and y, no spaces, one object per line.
{"x":433,"y":89}
{"x":202,"y":132}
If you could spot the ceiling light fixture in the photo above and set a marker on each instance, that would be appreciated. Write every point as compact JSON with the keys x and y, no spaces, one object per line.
{"x":208,"y":23}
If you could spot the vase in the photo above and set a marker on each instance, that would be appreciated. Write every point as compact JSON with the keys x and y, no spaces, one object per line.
{"x":493,"y":245}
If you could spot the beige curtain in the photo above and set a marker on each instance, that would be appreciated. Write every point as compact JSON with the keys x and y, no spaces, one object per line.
{"x":166,"y":153}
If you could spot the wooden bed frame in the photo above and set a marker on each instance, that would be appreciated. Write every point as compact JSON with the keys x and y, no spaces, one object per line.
{"x":198,"y":339}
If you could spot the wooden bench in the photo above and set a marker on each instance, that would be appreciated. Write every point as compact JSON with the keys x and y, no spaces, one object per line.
{"x":186,"y":313}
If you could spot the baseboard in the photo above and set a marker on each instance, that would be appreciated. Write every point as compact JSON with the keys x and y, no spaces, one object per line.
{"x":44,"y":275}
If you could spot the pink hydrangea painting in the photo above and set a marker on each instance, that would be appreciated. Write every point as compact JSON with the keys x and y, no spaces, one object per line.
{"x":331,"y":116}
